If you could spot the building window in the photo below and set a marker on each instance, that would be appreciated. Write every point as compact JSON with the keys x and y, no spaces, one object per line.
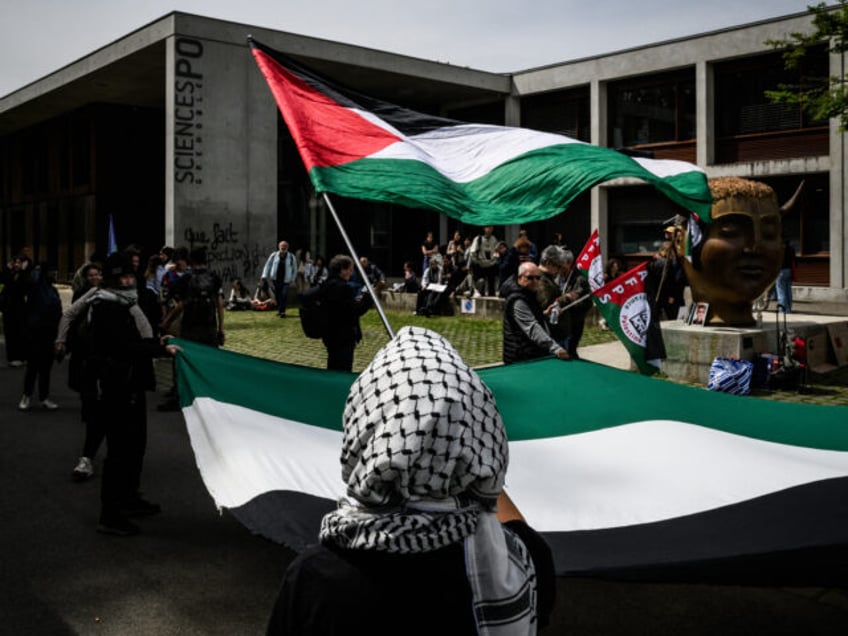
{"x":637,"y":217}
{"x":80,"y":151}
{"x":749,"y":127}
{"x":564,"y":112}
{"x":489,"y":113}
{"x":740,"y":87}
{"x":654,"y":113}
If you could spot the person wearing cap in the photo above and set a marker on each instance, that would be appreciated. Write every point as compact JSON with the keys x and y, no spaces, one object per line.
{"x":118,"y":366}
{"x":426,"y":540}
{"x":666,"y":282}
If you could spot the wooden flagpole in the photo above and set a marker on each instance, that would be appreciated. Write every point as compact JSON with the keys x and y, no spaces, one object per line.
{"x":359,"y":267}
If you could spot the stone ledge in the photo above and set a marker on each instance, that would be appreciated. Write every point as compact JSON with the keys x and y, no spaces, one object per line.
{"x":484,"y":306}
{"x":690,"y":350}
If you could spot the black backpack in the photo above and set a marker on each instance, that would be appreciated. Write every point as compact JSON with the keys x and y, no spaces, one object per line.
{"x":201,"y":300}
{"x":314,"y":315}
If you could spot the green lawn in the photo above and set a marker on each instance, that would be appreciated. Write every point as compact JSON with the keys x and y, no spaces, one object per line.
{"x":265,"y":335}
{"x":478,"y":340}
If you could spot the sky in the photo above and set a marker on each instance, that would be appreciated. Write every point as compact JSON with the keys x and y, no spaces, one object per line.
{"x":38,"y":37}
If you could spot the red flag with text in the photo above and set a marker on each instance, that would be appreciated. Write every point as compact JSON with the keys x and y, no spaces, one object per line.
{"x":623,"y":303}
{"x":590,"y":263}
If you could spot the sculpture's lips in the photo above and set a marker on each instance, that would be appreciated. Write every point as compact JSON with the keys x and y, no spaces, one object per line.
{"x":750,"y":270}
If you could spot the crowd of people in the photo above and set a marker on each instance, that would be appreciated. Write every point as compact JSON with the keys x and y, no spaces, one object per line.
{"x":111,"y":331}
{"x":123,"y":313}
{"x":175,"y":293}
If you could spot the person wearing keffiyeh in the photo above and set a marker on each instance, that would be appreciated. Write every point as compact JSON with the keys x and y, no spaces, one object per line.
{"x":426,"y":539}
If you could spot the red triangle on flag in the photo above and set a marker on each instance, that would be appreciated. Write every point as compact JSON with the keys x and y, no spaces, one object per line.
{"x":325,"y":132}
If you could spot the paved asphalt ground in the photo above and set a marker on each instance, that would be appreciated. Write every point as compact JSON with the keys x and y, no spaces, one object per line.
{"x":193,"y":571}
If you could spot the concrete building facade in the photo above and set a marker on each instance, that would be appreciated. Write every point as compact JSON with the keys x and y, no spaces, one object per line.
{"x":172,"y":131}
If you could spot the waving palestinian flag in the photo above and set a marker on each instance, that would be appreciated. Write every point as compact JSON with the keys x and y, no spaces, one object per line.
{"x":623,"y":474}
{"x":589,"y":262}
{"x":361,"y":147}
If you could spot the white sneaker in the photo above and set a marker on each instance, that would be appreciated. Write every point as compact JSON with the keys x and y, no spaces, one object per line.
{"x":25,"y":403}
{"x":84,"y":469}
{"x":16,"y":363}
{"x":49,"y":404}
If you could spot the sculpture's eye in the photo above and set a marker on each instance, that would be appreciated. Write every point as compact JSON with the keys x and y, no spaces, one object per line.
{"x":730,"y":228}
{"x":770,"y":227}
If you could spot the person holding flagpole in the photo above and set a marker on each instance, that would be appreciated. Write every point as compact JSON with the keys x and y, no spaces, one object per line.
{"x":343,"y":309}
{"x":575,"y":286}
{"x":526,"y":335}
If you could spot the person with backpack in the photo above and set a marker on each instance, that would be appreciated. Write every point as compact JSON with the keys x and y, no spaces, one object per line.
{"x":118,"y":365}
{"x":342,"y":310}
{"x":198,"y":298}
{"x":199,"y":302}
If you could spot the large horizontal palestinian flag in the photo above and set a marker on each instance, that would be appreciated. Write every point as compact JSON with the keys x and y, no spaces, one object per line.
{"x":361,"y":147}
{"x":625,"y":475}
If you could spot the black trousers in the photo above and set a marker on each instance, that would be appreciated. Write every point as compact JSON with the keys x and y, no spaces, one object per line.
{"x":123,"y":415}
{"x":39,"y":364}
{"x":340,"y":356}
{"x":490,"y":274}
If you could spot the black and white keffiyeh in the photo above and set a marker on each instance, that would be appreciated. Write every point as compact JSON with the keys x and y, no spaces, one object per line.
{"x":424,"y":455}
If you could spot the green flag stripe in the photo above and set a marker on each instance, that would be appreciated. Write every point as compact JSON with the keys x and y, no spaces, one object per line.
{"x":530,"y":187}
{"x":576,"y":397}
{"x":545,"y":398}
{"x":302,"y":394}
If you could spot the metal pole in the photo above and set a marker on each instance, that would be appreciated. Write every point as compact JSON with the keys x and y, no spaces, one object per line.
{"x":359,"y":267}
{"x":576,"y":302}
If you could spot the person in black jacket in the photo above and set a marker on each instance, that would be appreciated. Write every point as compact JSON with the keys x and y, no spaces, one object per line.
{"x":526,"y":334}
{"x":426,"y":540}
{"x":14,"y":280}
{"x":119,"y":366}
{"x":77,"y":345}
{"x":43,"y":310}
{"x":343,"y":309}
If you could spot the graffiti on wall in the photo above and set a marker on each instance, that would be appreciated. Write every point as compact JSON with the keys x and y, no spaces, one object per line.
{"x":188,"y":112}
{"x":228,"y":256}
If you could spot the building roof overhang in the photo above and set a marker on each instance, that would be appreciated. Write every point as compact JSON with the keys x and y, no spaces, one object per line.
{"x":132,"y":71}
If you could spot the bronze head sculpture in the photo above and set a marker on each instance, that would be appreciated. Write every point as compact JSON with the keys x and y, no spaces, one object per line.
{"x":739,"y":254}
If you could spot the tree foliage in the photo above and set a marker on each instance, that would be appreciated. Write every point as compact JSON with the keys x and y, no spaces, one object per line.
{"x":819,"y":97}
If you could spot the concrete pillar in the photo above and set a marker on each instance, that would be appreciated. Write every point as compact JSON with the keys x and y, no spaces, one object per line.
{"x":512,"y":117}
{"x":221,"y":155}
{"x":599,"y":209}
{"x":704,"y":114}
{"x":838,"y":192}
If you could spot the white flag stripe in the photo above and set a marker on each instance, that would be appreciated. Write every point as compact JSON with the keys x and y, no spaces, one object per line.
{"x":243,"y":453}
{"x":626,"y":475}
{"x":652,"y":471}
{"x":467,"y":152}
{"x":666,"y":167}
